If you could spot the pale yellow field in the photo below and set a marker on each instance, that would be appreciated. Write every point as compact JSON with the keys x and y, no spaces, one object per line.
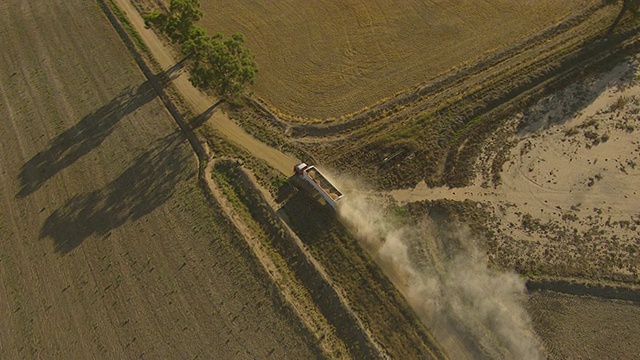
{"x":325,"y":58}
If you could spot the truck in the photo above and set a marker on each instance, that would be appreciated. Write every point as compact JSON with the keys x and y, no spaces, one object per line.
{"x":309,"y":174}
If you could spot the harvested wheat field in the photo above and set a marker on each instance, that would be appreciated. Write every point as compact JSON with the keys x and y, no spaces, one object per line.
{"x":324,"y":59}
{"x":109,"y":249}
{"x":575,"y":327}
{"x":562,"y":211}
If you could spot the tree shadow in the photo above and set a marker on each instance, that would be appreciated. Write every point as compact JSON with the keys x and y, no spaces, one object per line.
{"x":199,"y":120}
{"x":88,"y":134}
{"x":147,"y":184}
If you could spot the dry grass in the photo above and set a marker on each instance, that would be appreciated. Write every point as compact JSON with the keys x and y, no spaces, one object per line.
{"x":322,"y":59}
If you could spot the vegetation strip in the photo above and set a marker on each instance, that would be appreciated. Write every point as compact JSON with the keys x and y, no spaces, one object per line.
{"x":126,"y":24}
{"x":383,"y":309}
{"x":579,"y":287}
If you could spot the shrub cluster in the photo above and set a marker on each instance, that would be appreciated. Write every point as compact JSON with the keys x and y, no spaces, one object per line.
{"x":225,"y":66}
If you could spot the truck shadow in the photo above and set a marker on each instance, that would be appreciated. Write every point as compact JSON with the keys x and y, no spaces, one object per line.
{"x":286,"y":190}
{"x":147,"y":184}
{"x":77,"y":141}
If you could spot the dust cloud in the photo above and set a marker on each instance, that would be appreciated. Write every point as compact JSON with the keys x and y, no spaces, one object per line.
{"x":440,"y":268}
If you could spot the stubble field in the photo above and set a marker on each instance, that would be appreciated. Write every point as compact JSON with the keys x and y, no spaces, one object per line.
{"x":328,"y":59}
{"x":108,"y":247}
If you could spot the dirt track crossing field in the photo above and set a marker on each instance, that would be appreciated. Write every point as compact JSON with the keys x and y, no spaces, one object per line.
{"x":108,"y":248}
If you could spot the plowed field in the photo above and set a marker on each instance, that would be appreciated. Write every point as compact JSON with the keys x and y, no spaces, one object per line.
{"x":108,"y":248}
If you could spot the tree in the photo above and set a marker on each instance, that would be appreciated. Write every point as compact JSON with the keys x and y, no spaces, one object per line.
{"x":177,"y":24}
{"x":632,"y":6}
{"x":226,"y":67}
{"x":223,"y":65}
{"x":197,"y":44}
{"x":182,"y":16}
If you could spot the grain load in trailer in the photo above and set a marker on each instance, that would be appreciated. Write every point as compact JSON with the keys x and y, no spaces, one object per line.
{"x":319,"y":182}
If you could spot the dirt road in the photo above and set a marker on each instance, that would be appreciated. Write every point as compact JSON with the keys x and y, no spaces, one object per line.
{"x":109,"y":249}
{"x":201,"y":103}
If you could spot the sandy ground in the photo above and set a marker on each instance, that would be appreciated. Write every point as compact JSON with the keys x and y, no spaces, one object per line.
{"x":574,"y":170}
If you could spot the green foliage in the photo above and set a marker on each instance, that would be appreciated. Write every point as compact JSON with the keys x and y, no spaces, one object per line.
{"x":126,"y":24}
{"x":398,"y":215}
{"x":278,"y":183}
{"x":198,"y":44}
{"x":225,"y":66}
{"x":156,"y":19}
{"x":182,"y":15}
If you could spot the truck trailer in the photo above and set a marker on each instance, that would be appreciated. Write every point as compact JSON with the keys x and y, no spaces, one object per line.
{"x":311,"y":175}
